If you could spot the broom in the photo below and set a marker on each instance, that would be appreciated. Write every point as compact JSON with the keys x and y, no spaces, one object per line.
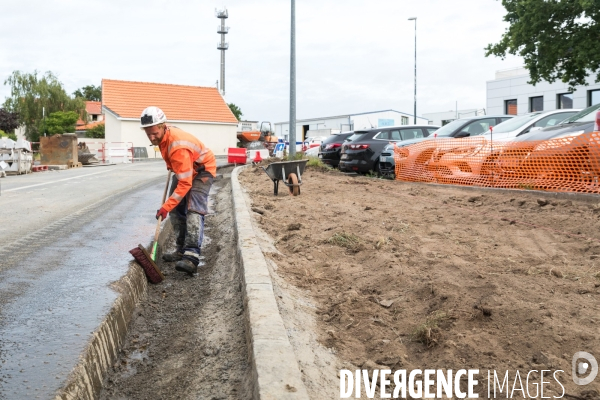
{"x":141,"y":255}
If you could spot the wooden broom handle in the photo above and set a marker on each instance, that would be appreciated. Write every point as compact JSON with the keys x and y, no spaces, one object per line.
{"x":163,"y":202}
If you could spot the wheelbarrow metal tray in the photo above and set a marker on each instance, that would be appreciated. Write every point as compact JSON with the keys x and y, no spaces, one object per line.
{"x":277,"y":169}
{"x":284,"y":171}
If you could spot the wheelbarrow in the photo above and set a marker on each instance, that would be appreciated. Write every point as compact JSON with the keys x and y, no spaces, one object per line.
{"x":290,"y":172}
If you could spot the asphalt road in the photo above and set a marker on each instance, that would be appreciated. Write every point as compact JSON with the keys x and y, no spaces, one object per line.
{"x":64,"y":237}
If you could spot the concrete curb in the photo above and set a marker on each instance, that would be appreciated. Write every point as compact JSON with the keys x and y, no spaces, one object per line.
{"x":275,"y":371}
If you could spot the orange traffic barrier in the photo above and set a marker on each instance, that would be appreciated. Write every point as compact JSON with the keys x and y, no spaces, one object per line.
{"x":569,"y":164}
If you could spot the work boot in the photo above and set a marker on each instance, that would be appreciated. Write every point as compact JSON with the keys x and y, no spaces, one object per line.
{"x":186,"y":266}
{"x":174,"y":256}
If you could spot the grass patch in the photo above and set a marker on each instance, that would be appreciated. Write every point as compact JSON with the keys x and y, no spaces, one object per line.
{"x":298,"y":156}
{"x":428,"y":332}
{"x":343,"y":239}
{"x":315,"y":163}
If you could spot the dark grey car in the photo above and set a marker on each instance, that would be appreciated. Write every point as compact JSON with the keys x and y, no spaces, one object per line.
{"x":362,"y":154}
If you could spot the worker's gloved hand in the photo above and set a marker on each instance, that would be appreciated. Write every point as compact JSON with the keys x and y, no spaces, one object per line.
{"x":200,"y":168}
{"x":162,"y":213}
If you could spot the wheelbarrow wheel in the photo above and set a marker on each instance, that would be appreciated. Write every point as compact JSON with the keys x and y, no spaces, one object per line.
{"x":293,"y":182}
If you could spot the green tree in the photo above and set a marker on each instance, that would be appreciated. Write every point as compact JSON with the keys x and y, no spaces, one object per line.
{"x":97,"y":131}
{"x":558,"y":40}
{"x":61,"y":122}
{"x":89,"y":92}
{"x":30,"y":94}
{"x":236,"y":111}
{"x":8,"y":135}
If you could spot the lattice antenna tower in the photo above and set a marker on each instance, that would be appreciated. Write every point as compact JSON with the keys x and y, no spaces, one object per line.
{"x":223,"y":45}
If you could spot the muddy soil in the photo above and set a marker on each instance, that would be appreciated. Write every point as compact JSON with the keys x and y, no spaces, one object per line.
{"x":187,"y":340}
{"x":409,"y":276}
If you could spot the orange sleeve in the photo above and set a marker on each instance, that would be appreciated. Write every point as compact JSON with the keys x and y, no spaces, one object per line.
{"x":182,"y":165}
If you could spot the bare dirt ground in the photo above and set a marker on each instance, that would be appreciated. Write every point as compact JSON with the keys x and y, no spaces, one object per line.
{"x":187,"y":340}
{"x":411,"y":276}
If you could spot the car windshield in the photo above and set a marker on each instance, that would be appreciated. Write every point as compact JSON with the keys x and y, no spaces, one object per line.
{"x":448,"y":129}
{"x":514,"y":123}
{"x":586,"y":115}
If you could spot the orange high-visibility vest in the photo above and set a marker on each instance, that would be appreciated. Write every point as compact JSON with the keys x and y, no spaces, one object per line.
{"x":184,"y":153}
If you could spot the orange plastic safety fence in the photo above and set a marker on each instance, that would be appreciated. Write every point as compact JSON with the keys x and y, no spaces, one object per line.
{"x":569,"y":164}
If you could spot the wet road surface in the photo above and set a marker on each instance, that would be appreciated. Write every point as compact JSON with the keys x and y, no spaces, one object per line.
{"x":61,"y":246}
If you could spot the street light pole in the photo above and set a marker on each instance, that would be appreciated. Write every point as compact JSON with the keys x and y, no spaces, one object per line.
{"x":293,"y":83}
{"x":415,"y":111}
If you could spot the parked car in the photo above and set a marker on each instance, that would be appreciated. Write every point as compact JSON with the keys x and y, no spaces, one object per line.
{"x":465,"y":127}
{"x":523,"y":124}
{"x":528,"y":152}
{"x":362,"y":154}
{"x":582,"y":122}
{"x":312,"y":152}
{"x":329,"y":151}
{"x":471,"y":159}
{"x":482,"y":161}
{"x":314,"y":141}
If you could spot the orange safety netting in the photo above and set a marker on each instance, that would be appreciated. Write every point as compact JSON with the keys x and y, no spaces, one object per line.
{"x":569,"y":164}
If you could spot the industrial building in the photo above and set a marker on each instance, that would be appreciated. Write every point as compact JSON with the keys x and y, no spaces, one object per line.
{"x":510,"y":93}
{"x":341,"y":123}
{"x":441,"y":118}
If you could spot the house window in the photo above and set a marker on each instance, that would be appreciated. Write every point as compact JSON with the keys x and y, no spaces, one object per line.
{"x":94,"y":118}
{"x":510,"y":107}
{"x":564,"y":100}
{"x":404,"y":120}
{"x":593,"y":97}
{"x":536,"y":103}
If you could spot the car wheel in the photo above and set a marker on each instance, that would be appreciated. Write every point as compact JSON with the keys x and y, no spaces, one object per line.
{"x":377,"y":170}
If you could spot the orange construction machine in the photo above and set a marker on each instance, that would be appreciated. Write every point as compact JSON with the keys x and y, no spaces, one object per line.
{"x":264,"y":134}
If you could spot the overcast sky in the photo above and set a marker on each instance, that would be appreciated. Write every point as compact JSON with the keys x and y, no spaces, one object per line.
{"x":352,"y":56}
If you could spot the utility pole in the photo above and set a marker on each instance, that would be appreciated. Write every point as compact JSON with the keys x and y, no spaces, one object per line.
{"x":222,"y":30}
{"x":415,"y":114}
{"x":292,"y":137}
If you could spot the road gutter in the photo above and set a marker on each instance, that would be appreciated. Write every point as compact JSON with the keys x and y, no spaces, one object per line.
{"x":275,"y":373}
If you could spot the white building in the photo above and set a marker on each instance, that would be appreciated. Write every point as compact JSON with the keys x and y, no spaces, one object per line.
{"x":510,"y":93}
{"x":247,"y":126}
{"x":443,"y":117}
{"x":201,"y":111}
{"x":342,"y":123}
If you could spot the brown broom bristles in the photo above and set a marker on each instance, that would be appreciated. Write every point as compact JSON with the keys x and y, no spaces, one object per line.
{"x":145,"y":261}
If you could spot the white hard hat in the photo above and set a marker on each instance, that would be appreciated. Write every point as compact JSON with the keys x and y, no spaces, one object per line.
{"x":152,"y":116}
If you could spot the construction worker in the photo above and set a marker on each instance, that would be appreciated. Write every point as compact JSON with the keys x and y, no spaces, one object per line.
{"x":194,"y":167}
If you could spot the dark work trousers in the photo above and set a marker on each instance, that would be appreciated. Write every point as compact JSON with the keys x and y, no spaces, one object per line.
{"x":188,"y":217}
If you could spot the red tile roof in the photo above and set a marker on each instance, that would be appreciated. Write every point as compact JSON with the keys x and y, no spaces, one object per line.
{"x":180,"y":103}
{"x":83,"y":127}
{"x":93,"y":107}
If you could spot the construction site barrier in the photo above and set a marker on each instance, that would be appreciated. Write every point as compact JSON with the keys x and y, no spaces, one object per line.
{"x":568,"y":164}
{"x":117,"y":152}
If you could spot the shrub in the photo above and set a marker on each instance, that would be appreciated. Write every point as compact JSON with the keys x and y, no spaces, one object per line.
{"x":96,"y":132}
